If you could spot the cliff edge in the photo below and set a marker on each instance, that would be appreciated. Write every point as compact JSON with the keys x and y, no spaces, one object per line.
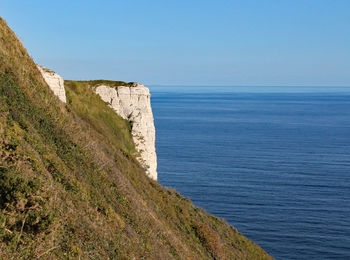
{"x":133,"y":103}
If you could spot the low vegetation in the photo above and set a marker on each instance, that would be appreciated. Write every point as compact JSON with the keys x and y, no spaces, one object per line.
{"x":111,"y":83}
{"x":70,"y":187}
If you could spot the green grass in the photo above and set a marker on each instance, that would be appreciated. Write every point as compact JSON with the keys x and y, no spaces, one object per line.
{"x":70,"y":186}
{"x":89,"y":106}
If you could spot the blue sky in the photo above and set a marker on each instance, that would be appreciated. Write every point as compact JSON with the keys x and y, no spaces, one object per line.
{"x":184,"y":42}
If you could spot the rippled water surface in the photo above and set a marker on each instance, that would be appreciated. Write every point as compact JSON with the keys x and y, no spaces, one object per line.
{"x":273,"y":161}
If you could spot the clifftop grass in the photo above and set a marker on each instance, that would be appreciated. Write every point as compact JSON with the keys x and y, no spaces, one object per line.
{"x":111,"y":83}
{"x":70,"y":187}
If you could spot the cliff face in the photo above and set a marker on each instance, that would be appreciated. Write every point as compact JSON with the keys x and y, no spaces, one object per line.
{"x":134,"y":104}
{"x":55,"y":82}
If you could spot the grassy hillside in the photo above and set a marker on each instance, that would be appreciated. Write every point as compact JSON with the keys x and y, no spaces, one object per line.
{"x":70,"y":187}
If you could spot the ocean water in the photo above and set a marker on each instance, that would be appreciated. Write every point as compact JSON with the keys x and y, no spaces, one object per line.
{"x":273,"y":161}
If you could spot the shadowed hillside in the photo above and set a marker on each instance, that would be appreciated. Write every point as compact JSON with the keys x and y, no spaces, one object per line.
{"x":70,"y":186}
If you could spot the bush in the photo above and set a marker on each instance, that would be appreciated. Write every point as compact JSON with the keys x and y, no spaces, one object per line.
{"x":22,"y":204}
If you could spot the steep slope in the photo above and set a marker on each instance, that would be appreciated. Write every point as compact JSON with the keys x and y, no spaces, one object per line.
{"x":70,"y":186}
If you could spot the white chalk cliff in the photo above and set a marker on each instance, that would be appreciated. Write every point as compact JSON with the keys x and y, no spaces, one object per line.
{"x":55,"y":82}
{"x":133,"y":103}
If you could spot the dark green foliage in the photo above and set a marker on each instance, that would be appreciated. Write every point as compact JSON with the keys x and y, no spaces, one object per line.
{"x":14,"y":187}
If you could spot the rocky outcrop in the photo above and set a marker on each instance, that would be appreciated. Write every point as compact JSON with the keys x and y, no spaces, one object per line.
{"x":55,"y":82}
{"x":134,"y":104}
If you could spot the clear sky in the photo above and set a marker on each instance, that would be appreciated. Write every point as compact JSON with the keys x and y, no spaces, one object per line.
{"x":188,"y":42}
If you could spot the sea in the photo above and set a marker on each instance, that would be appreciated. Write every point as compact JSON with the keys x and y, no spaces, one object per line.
{"x":274,"y":162}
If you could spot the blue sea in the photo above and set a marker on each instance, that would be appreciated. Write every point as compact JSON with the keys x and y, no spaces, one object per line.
{"x":272,"y":161}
